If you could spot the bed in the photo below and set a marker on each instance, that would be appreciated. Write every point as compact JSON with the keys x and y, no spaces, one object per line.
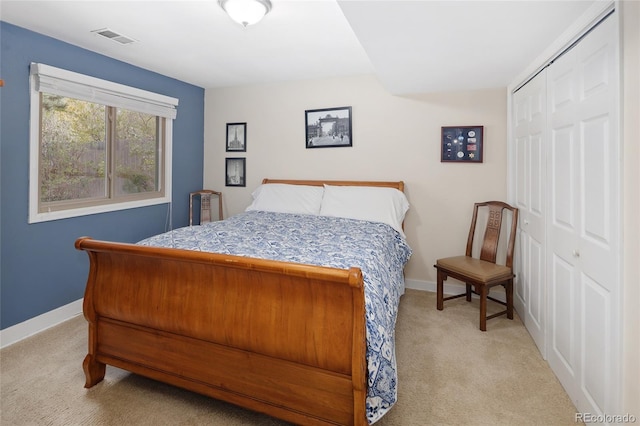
{"x":299,"y":328}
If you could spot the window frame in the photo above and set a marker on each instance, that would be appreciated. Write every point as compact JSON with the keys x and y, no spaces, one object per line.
{"x":48,"y":79}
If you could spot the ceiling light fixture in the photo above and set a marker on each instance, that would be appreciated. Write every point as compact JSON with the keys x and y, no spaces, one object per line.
{"x":246,"y":12}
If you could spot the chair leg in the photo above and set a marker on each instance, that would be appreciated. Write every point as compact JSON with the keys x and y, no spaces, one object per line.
{"x":509,"y":294}
{"x":468,"y":292}
{"x":440,"y":290}
{"x":483,"y":308}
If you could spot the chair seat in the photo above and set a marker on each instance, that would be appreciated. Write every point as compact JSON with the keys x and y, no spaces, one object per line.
{"x":476,"y":269}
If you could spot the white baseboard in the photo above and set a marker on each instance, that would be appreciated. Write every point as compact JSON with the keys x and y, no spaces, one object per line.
{"x":450,"y":288}
{"x":420,"y":285}
{"x":35,"y":325}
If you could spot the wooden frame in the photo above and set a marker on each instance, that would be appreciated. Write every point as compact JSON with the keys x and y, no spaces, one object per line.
{"x":328,"y":127}
{"x":463,"y":144}
{"x":234,"y":328}
{"x":235,"y":171}
{"x":236,"y":137}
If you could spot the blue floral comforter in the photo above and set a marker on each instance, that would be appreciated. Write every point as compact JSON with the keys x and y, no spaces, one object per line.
{"x":376,"y":248}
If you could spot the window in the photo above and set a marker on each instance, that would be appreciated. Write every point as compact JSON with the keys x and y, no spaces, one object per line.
{"x":96,"y":146}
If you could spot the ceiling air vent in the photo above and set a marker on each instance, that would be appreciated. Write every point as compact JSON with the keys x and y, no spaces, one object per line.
{"x":112,"y":35}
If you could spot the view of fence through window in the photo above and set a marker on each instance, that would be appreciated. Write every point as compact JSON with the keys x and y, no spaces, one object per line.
{"x":80,"y":151}
{"x":136,"y":157}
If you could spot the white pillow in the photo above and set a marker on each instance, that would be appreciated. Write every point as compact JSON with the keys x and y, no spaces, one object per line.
{"x":286,"y":198}
{"x":376,"y":204}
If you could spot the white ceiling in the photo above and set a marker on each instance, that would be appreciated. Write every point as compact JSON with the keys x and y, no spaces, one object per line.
{"x":413,"y":46}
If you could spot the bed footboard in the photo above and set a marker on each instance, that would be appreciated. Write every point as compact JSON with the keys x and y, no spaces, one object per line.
{"x":284,"y":339}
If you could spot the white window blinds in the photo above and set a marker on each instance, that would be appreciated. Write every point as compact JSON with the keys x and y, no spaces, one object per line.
{"x":61,"y":82}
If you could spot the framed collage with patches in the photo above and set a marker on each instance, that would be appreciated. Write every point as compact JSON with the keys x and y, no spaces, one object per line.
{"x":462,"y":144}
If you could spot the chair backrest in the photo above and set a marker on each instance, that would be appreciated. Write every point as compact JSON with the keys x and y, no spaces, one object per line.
{"x":489,"y":248}
{"x":205,"y":205}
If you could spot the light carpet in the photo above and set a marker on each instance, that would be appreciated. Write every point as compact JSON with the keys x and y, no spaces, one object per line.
{"x":450,"y":373}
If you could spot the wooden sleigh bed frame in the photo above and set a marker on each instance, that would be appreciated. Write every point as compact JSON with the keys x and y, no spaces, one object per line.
{"x":284,"y":339}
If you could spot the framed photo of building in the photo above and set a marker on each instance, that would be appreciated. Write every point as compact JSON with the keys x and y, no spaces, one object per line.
{"x":236,"y":172}
{"x":236,"y":137}
{"x":462,"y":144}
{"x":328,"y":127}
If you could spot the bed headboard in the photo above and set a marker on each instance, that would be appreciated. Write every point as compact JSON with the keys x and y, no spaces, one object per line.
{"x":399,"y":185}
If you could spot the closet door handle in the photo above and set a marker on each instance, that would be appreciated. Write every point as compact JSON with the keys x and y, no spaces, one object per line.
{"x":576,"y":253}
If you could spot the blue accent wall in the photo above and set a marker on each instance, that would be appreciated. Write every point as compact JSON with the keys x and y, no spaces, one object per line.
{"x":40,"y":268}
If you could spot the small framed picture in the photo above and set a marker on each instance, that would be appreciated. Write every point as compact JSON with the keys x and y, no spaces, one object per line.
{"x":236,"y":172}
{"x":328,"y":127}
{"x":462,"y":144}
{"x":236,"y":137}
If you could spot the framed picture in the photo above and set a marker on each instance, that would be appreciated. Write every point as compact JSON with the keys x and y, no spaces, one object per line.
{"x":328,"y":127}
{"x":462,"y":144}
{"x":237,"y":137}
{"x":236,"y":172}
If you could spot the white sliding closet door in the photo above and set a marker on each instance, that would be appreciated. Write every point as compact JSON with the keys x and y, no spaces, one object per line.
{"x":530,"y":116}
{"x":566,"y":168}
{"x":583,"y":220}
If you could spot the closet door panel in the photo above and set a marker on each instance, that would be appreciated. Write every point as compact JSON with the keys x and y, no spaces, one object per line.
{"x":536,"y":306}
{"x":596,"y":230}
{"x":595,"y":349}
{"x":596,"y":180}
{"x":568,"y":288}
{"x":536,"y":159}
{"x":563,"y":346}
{"x":565,"y":295}
{"x":584,"y":218}
{"x":599,"y":236}
{"x":522,"y":183}
{"x":563,"y":177}
{"x":522,"y":201}
{"x":530,"y":132}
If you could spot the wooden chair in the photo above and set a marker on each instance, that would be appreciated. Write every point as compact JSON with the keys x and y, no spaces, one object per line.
{"x":205,"y":205}
{"x":482,"y":273}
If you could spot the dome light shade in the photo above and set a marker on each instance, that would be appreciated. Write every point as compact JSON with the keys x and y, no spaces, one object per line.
{"x":246,"y":12}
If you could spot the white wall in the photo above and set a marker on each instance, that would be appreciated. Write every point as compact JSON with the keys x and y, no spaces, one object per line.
{"x":394,"y":138}
{"x":398,"y":138}
{"x":630,"y":17}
